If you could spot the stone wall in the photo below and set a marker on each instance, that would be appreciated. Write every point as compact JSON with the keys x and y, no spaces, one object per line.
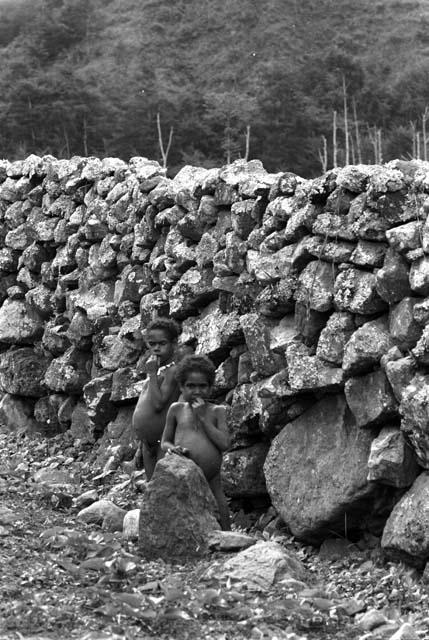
{"x":309,"y":296}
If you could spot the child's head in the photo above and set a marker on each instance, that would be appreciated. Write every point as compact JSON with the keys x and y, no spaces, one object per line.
{"x":161,"y":336}
{"x":195,"y":375}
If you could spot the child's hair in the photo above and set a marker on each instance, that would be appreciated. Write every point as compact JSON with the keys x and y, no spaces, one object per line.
{"x":201,"y":364}
{"x":170,"y":327}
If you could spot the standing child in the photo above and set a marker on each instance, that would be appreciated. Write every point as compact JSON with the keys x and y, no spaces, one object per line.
{"x":197,"y":428}
{"x":159,"y":391}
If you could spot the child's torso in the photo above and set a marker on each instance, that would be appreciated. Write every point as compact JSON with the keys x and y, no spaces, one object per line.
{"x":153,"y":422}
{"x":190,"y":435}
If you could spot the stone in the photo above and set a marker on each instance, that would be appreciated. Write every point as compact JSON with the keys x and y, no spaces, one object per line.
{"x":392,"y":461}
{"x":213,"y":332}
{"x":366,"y":346}
{"x":193,"y":291}
{"x":405,"y":632}
{"x":258,"y":340}
{"x":22,"y":372}
{"x":400,"y":373}
{"x":334,"y":337}
{"x":81,"y":427}
{"x":371,"y":619}
{"x":369,"y":254}
{"x":403,"y":328}
{"x":16,"y":415}
{"x":270,"y":268}
{"x":242,"y":471}
{"x":370,"y":399}
{"x":53,"y":477}
{"x":307,"y":372}
{"x":414,"y":423}
{"x":316,"y":472}
{"x":19,"y":323}
{"x":55,"y":339}
{"x":103,"y":511}
{"x":421,"y":311}
{"x":131,"y":525}
{"x":127,"y":384}
{"x":7,"y":516}
{"x":96,"y":301}
{"x":406,"y":533}
{"x":116,"y":351}
{"x":177,"y":511}
{"x":230,"y":541}
{"x":421,"y":350}
{"x":260,"y":567}
{"x":46,"y":412}
{"x":406,"y":237}
{"x":316,"y":286}
{"x":356,"y":291}
{"x":309,"y":323}
{"x":419,"y":276}
{"x":70,"y":372}
{"x":96,"y":394}
{"x":393,"y":279}
{"x":86,"y":498}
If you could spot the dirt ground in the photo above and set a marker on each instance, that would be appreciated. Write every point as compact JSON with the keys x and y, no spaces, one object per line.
{"x":63,"y":579}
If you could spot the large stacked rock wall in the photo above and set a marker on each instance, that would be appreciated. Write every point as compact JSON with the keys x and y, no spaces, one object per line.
{"x":309,"y":296}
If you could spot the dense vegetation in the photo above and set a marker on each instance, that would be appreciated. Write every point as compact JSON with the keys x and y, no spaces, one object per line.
{"x":90,"y":76}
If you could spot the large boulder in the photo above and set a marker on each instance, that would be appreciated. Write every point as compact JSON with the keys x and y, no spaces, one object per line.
{"x":366,"y":346}
{"x":19,"y":323}
{"x":22,"y":372}
{"x":406,"y":534}
{"x":371,"y":399}
{"x":242,"y":471}
{"x":261,"y":566}
{"x":177,"y":512}
{"x":316,"y":472}
{"x":414,"y":412}
{"x":392,"y":461}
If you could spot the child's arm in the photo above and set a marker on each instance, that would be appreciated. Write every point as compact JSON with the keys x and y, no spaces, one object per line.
{"x":217,"y":430}
{"x":167,"y":440}
{"x":160,"y":395}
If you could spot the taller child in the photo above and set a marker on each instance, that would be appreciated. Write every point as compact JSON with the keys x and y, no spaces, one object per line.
{"x":159,"y":391}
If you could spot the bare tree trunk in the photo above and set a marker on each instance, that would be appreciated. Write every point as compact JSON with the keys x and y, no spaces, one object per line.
{"x":85,"y":137}
{"x":418,"y":145}
{"x":413,"y":133}
{"x":334,"y":140}
{"x":357,"y":133}
{"x":67,"y":141}
{"x":352,"y":149}
{"x":346,"y":123}
{"x":246,"y":155}
{"x":33,"y":135}
{"x":164,"y":151}
{"x":380,"y":150}
{"x":323,"y":155}
{"x":424,"y":119}
{"x":372,"y":135}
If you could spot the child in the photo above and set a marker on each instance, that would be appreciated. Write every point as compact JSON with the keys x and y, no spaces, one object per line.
{"x":159,"y":391}
{"x":197,"y":428}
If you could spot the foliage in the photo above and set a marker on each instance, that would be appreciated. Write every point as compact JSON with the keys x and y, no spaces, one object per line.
{"x":89,"y":77}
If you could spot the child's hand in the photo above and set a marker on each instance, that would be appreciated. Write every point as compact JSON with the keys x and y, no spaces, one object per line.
{"x":197,"y":406}
{"x":181,"y":451}
{"x":152,"y":364}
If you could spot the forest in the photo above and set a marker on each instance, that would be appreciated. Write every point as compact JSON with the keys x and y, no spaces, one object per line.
{"x":300,"y":85}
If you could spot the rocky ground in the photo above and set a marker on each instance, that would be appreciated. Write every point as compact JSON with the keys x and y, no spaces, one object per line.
{"x":63,"y":578}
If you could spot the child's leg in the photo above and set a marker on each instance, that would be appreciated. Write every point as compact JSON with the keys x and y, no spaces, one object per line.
{"x":216,"y":487}
{"x":151,"y":455}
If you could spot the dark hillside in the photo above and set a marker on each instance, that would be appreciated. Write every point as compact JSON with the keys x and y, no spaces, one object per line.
{"x":89,"y":77}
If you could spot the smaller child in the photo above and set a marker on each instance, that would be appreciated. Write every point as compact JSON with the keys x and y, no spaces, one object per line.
{"x":159,"y":391}
{"x":197,"y":428}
